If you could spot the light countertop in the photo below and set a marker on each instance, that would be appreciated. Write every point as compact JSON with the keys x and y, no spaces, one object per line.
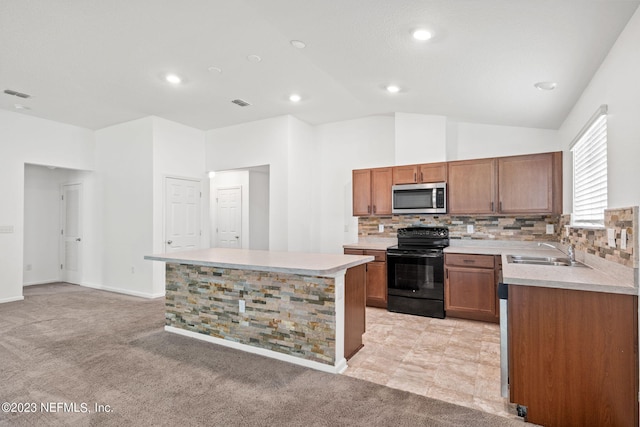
{"x":307,"y":264}
{"x":372,"y":246}
{"x":595,"y":278}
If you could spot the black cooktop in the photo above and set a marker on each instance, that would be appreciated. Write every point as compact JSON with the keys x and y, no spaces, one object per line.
{"x":421,"y":238}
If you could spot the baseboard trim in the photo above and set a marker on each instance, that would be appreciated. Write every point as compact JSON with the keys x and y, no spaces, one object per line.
{"x":122,"y":291}
{"x":12,"y":299}
{"x":41,"y":282}
{"x":338,"y":368}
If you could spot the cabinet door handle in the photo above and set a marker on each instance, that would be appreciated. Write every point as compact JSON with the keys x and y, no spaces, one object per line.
{"x":368,"y":208}
{"x":421,"y":176}
{"x":500,"y":206}
{"x":374,"y":208}
{"x":469,"y":261}
{"x":491,"y":206}
{"x":415,"y":178}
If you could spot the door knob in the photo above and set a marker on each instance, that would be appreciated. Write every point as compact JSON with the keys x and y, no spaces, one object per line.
{"x":169,"y":242}
{"x":78,"y":240}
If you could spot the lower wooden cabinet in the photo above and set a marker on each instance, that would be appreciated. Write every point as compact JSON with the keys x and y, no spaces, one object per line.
{"x":471,"y":287}
{"x":573,"y":356}
{"x":376,"y":276}
{"x":354,"y":310}
{"x":377,"y":284}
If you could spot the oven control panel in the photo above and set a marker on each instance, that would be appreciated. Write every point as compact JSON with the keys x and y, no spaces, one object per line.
{"x":423,"y":232}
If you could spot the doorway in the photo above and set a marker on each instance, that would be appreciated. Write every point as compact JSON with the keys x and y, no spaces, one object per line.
{"x":182,"y":214}
{"x":243,"y":212}
{"x":71,"y":233}
{"x":55,"y":215}
{"x":229,"y":214}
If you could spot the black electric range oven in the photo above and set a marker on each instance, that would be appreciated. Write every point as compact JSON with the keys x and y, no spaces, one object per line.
{"x":415,"y":271}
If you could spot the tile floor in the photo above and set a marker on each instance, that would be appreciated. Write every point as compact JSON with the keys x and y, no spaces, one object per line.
{"x":449,"y":359}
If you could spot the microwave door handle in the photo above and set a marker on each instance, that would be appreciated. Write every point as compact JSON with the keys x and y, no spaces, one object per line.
{"x":434,"y":199}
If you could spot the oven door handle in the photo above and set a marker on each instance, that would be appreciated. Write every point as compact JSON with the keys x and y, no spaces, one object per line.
{"x":440,"y":255}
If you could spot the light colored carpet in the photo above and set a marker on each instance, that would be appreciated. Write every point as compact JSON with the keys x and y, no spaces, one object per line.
{"x":72,"y":345}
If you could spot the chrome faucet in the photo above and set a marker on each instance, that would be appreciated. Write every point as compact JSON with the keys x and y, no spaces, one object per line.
{"x":571,"y":251}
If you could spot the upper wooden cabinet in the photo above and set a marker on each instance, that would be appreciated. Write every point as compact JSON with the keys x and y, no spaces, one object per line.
{"x":530,"y":184}
{"x":361,"y":192}
{"x":372,"y":191}
{"x":414,"y":174}
{"x":472,"y":186}
{"x":527,"y":184}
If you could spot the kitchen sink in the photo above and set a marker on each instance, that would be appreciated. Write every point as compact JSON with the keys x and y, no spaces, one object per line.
{"x":543,"y":260}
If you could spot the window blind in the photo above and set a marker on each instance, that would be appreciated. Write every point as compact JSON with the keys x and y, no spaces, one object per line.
{"x":590,"y":170}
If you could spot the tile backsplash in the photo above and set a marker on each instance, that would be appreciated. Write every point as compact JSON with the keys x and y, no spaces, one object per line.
{"x":594,"y":241}
{"x":591,"y":240}
{"x":527,"y":228}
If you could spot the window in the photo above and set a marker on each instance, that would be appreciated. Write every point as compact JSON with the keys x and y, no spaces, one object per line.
{"x":589,"y":150}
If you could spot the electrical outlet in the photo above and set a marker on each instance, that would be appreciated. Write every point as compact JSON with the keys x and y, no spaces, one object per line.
{"x":380,"y":228}
{"x":623,"y":239}
{"x":241,"y":306}
{"x":6,"y":229}
{"x":550,"y":229}
{"x":611,"y":237}
{"x":470,"y":228}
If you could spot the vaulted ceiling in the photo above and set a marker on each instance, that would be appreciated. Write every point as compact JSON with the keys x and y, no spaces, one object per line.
{"x":94,"y":63}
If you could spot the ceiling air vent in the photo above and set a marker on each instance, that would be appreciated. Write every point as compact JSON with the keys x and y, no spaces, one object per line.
{"x":18,"y":94}
{"x":241,"y":102}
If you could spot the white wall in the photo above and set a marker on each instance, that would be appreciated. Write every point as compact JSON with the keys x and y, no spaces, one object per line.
{"x":26,"y":139}
{"x":124,"y":168}
{"x":178,"y":152}
{"x":615,"y":84}
{"x":259,"y":208}
{"x":475,"y":140}
{"x":344,"y":146}
{"x":420,"y":138}
{"x":303,"y":188}
{"x":263,"y":142}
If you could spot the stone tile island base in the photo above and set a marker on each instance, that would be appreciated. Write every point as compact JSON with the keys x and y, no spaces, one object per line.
{"x":291,"y":317}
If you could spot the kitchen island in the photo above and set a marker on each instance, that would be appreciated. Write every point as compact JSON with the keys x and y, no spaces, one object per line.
{"x":285,"y":305}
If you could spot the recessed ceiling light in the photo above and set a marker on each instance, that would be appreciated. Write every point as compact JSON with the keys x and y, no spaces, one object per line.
{"x":173,"y":79}
{"x":421,"y":34}
{"x":215,"y":69}
{"x":254,"y":58}
{"x":545,"y":85}
{"x":298,"y":44}
{"x":294,"y":97}
{"x":393,"y":89}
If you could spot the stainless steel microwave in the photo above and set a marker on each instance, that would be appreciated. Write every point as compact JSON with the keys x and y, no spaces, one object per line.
{"x":419,"y":198}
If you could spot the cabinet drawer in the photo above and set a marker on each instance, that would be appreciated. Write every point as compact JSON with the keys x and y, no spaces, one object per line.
{"x":353,"y":252}
{"x":467,"y":260}
{"x":379,"y":255}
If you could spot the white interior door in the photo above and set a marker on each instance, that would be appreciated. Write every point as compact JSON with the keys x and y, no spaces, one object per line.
{"x":182,"y":215}
{"x":71,"y":234}
{"x":229,"y":217}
